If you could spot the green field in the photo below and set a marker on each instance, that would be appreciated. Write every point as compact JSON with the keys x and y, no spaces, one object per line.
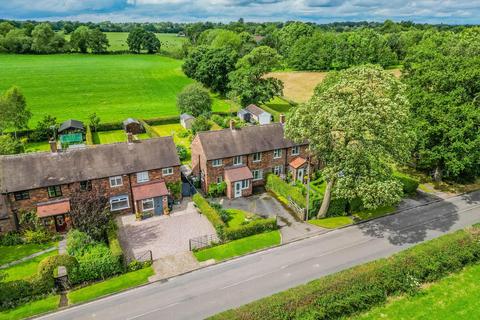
{"x":169,"y":41}
{"x":455,"y":297}
{"x":114,"y":86}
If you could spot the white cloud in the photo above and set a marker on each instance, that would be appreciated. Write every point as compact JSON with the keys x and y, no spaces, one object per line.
{"x":446,"y":11}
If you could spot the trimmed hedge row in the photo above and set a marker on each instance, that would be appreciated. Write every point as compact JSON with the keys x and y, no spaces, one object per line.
{"x":108,"y":126}
{"x":89,"y":136}
{"x":209,"y":212}
{"x":409,"y":184}
{"x":360,"y":288}
{"x":114,"y":242}
{"x":250,"y":229}
{"x":14,"y":293}
{"x":283,"y":189}
{"x":163,"y":120}
{"x":149,"y":130}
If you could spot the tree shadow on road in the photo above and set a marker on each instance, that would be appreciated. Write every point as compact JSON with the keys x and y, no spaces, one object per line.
{"x":412,"y":225}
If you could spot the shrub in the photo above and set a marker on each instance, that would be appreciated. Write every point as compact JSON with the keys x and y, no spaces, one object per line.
{"x":409,"y":184}
{"x":217,"y":119}
{"x":358,"y":289}
{"x":211,"y":214}
{"x":337,"y":207}
{"x":283,"y":189}
{"x":97,"y":262}
{"x":253,"y":227}
{"x":11,"y":238}
{"x":78,"y":242}
{"x":38,"y":236}
{"x":182,"y":152}
{"x":135,"y":265}
{"x":217,"y":189}
{"x":183,"y":133}
{"x":113,"y":241}
{"x":175,"y":189}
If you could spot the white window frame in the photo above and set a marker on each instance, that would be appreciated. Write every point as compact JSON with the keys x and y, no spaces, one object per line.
{"x":167,"y":171}
{"x":237,"y":163}
{"x":149,"y":200}
{"x":217,"y":163}
{"x":116,"y":181}
{"x":295,"y":150}
{"x":219,"y":179}
{"x":277,"y":153}
{"x":142,"y":177}
{"x":258,"y":173}
{"x":117,"y":199}
{"x":245,"y":184}
{"x":259,"y":154}
{"x":278,"y":170}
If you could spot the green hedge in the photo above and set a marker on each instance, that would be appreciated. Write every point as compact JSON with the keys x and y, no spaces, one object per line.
{"x":211,"y":214}
{"x":409,"y":183}
{"x":360,"y":288}
{"x":114,"y":242}
{"x":109,"y":126}
{"x":252,"y":228}
{"x":88,"y":136}
{"x":149,"y":130}
{"x":162,"y":120}
{"x":276,"y":185}
{"x":14,"y":293}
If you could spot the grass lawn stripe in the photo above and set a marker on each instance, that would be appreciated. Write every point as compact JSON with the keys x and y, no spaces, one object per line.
{"x":116,"y":284}
{"x":240,"y":246}
{"x":31,"y":309}
{"x":14,"y":253}
{"x":27,"y":268}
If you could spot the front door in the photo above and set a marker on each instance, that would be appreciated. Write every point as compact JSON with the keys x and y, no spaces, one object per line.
{"x":158,"y":206}
{"x":300,"y":174}
{"x":238,"y":189}
{"x":60,"y":224}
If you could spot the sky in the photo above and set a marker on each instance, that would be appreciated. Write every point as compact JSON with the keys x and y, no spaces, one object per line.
{"x":320,"y":11}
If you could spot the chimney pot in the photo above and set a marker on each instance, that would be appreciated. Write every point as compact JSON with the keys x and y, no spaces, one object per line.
{"x":282,"y":118}
{"x":130,"y":137}
{"x":53,"y":146}
{"x":232,"y":124}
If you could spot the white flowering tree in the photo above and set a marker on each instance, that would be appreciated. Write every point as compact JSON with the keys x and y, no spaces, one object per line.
{"x":357,"y":124}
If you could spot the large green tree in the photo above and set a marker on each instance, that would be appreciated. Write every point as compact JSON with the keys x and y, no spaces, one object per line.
{"x":443,"y":78}
{"x":9,"y":145}
{"x":98,"y":41}
{"x":139,"y":39}
{"x":16,"y":41}
{"x":195,"y":100}
{"x":80,"y":38}
{"x":357,"y":124}
{"x":248,"y":82}
{"x":13,"y":110}
{"x":45,"y":40}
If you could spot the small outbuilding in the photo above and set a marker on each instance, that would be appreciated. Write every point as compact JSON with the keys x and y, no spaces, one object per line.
{"x":71,"y":126}
{"x":132,"y":126}
{"x":253,"y":113}
{"x":186,"y":120}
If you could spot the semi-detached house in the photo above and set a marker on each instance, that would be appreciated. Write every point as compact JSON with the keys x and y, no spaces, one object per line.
{"x":243,"y":157}
{"x":134,"y":176}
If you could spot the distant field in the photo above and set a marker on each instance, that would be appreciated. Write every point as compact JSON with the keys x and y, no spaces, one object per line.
{"x":169,"y":41}
{"x":114,"y":86}
{"x":299,"y":85}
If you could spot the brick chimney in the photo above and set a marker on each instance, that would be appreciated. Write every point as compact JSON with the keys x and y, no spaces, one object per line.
{"x":282,"y":118}
{"x":53,"y":146}
{"x":130,"y":137}
{"x":232,"y":124}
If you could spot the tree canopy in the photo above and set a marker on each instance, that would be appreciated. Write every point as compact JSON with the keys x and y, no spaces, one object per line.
{"x":194,"y":100}
{"x":357,"y":124}
{"x":139,"y":39}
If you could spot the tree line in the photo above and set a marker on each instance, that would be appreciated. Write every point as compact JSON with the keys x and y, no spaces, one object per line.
{"x":42,"y":39}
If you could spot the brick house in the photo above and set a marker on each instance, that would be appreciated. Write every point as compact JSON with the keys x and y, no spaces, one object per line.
{"x":243,"y":157}
{"x":134,"y":177}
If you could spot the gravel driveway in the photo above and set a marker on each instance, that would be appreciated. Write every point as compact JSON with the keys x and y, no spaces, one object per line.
{"x":164,"y":235}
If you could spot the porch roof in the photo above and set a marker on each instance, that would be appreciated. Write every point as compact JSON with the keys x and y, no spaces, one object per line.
{"x":297,"y":162}
{"x":53,"y":208}
{"x":149,"y":190}
{"x":238,"y":174}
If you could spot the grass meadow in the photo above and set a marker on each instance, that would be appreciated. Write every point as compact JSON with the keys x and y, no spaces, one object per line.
{"x":169,"y":41}
{"x":114,"y":86}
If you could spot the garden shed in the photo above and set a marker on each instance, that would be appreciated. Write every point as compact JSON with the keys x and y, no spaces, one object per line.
{"x":186,"y":120}
{"x":132,"y":126}
{"x":71,"y":126}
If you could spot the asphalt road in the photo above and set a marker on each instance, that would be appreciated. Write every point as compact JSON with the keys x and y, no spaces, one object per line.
{"x":210,"y":290}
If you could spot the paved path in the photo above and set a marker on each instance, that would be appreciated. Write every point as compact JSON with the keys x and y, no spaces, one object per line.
{"x":216,"y":288}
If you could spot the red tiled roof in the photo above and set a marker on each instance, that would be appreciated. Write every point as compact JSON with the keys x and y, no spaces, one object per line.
{"x":297,"y":162}
{"x":237,"y":174}
{"x":53,"y":208}
{"x":149,"y":190}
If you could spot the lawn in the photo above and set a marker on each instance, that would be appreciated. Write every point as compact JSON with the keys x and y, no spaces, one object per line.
{"x":114,"y":86}
{"x":237,"y":217}
{"x":13,"y":253}
{"x":31,"y":309}
{"x":105,"y":137}
{"x":27,"y":268}
{"x":37,"y":146}
{"x":276,"y":107}
{"x":240,"y":246}
{"x":332,"y":223}
{"x":169,"y":41}
{"x":454,"y":297}
{"x":116,"y":284}
{"x":173,"y":130}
